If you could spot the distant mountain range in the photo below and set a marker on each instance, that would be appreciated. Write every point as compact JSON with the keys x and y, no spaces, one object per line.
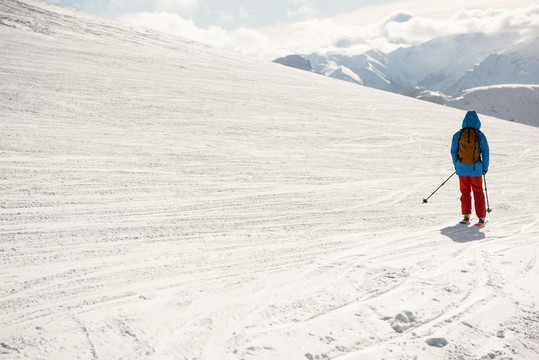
{"x":453,"y":70}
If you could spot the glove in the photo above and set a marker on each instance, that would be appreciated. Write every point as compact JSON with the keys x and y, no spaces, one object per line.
{"x":484,"y":172}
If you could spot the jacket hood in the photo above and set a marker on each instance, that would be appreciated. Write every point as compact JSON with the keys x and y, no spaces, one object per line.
{"x":471,"y":120}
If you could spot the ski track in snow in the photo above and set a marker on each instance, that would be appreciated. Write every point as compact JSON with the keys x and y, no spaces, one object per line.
{"x":164,"y":200}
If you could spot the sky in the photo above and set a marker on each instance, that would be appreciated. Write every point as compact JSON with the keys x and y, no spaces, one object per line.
{"x":267,"y":29}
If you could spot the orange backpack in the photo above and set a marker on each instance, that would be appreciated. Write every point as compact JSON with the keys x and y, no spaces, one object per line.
{"x":469,"y":146}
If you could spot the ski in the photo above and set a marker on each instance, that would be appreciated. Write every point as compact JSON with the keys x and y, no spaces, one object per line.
{"x":479,"y":225}
{"x":464,"y":222}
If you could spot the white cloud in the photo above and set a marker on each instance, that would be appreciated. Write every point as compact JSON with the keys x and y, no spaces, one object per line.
{"x":244,"y":41}
{"x":176,"y":5}
{"x":325,"y":35}
{"x":306,"y":9}
{"x":330,"y":34}
{"x":243,"y":13}
{"x":230,"y":19}
{"x":226,"y":17}
{"x":173,"y":6}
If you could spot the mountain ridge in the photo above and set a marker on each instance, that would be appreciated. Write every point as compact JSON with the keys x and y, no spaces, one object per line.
{"x":444,"y":67}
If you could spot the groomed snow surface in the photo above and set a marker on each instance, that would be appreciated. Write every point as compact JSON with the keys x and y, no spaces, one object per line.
{"x":164,"y":200}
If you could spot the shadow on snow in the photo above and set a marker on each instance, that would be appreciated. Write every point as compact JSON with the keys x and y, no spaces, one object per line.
{"x":463,"y":233}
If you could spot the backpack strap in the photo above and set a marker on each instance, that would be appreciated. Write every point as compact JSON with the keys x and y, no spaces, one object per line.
{"x":458,"y":147}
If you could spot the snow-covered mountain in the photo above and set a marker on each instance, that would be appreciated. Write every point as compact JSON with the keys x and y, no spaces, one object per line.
{"x":295,"y":61}
{"x":445,"y":67}
{"x":514,"y":102}
{"x":500,"y":69}
{"x":161,"y":199}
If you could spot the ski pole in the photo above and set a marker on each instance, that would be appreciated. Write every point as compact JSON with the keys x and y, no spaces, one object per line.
{"x":486,"y":192}
{"x":426,"y":200}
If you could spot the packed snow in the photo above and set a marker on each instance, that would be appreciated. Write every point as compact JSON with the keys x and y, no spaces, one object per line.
{"x":165,"y":200}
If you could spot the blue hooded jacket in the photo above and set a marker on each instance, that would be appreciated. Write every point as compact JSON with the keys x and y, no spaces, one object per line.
{"x":472,"y":121}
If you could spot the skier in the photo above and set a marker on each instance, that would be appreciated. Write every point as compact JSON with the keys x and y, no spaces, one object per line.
{"x":470,"y":153}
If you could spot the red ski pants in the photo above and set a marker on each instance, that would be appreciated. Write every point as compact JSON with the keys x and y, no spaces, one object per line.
{"x":467,"y":185}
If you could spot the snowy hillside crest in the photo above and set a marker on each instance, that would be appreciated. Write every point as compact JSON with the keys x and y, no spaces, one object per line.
{"x":163,"y":200}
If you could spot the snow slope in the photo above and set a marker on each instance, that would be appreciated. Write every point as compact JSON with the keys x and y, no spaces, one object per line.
{"x":165,"y":200}
{"x":498,"y":101}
